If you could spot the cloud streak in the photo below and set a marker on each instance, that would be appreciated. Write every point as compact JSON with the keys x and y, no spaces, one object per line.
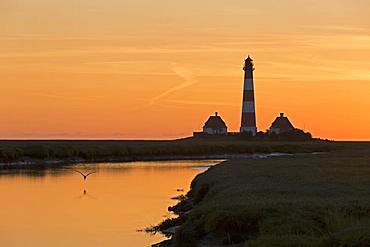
{"x":194,"y":102}
{"x":65,"y":135}
{"x":182,"y":72}
{"x":336,"y":28}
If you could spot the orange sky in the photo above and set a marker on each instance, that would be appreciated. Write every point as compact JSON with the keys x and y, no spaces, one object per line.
{"x":141,"y":69}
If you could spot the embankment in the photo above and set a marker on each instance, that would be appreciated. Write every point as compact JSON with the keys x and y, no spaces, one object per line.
{"x":299,"y":200}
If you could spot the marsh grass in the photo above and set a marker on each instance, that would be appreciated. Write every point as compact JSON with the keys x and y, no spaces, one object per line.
{"x":300,"y":200}
{"x":13,"y":151}
{"x":165,"y":225}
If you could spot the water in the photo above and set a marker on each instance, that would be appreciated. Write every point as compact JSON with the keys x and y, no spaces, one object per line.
{"x":56,"y":207}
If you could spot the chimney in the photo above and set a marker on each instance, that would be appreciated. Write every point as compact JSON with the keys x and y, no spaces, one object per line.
{"x":216,"y":114}
{"x":282,"y":114}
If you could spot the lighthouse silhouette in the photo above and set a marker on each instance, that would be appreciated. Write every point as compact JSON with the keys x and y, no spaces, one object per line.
{"x":248,"y":123}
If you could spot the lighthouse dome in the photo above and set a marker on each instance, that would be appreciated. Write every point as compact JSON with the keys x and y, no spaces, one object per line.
{"x":248,"y":58}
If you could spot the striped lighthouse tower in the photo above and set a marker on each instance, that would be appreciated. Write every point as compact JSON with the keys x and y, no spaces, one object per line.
{"x":248,"y":110}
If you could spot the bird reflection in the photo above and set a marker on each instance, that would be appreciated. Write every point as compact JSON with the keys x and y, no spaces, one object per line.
{"x":86,"y":195}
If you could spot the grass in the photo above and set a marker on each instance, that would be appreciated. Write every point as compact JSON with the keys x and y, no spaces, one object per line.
{"x":300,"y":200}
{"x":13,"y":151}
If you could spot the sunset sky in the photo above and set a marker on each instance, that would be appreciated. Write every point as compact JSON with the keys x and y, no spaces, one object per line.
{"x":144,"y":69}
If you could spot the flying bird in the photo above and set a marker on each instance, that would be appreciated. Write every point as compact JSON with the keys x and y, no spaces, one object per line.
{"x":84,"y":175}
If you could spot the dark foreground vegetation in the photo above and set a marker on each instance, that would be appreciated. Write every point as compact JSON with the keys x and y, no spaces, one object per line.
{"x":299,"y":200}
{"x":97,"y":151}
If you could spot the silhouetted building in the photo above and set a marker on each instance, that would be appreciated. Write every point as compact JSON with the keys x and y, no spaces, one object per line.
{"x":281,"y":125}
{"x":215,"y":126}
{"x":248,"y":122}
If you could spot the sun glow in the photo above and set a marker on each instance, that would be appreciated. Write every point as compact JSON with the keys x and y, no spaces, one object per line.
{"x":143,"y":69}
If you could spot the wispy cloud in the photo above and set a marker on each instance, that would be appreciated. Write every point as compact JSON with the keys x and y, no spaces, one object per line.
{"x":194,"y":102}
{"x":111,"y":50}
{"x":61,"y":96}
{"x":126,"y":62}
{"x":335,"y":28}
{"x":182,"y":72}
{"x":65,"y":135}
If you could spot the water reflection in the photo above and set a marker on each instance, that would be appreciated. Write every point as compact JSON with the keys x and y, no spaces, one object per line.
{"x":50,"y":170}
{"x":57,"y":207}
{"x":85,"y":195}
{"x":34,"y":172}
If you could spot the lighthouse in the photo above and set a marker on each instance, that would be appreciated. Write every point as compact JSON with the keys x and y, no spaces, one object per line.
{"x":248,"y":123}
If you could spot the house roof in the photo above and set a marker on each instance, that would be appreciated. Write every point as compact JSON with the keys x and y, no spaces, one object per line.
{"x":215,"y":122}
{"x":282,"y":123}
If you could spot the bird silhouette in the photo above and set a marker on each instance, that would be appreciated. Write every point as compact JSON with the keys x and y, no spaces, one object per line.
{"x":84,"y":175}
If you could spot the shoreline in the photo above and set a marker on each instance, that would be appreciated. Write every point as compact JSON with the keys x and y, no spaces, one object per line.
{"x":321,"y":199}
{"x":34,"y":163}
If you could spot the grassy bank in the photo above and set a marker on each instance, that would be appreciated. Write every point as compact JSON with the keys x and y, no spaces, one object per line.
{"x":13,"y":151}
{"x":300,"y":200}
